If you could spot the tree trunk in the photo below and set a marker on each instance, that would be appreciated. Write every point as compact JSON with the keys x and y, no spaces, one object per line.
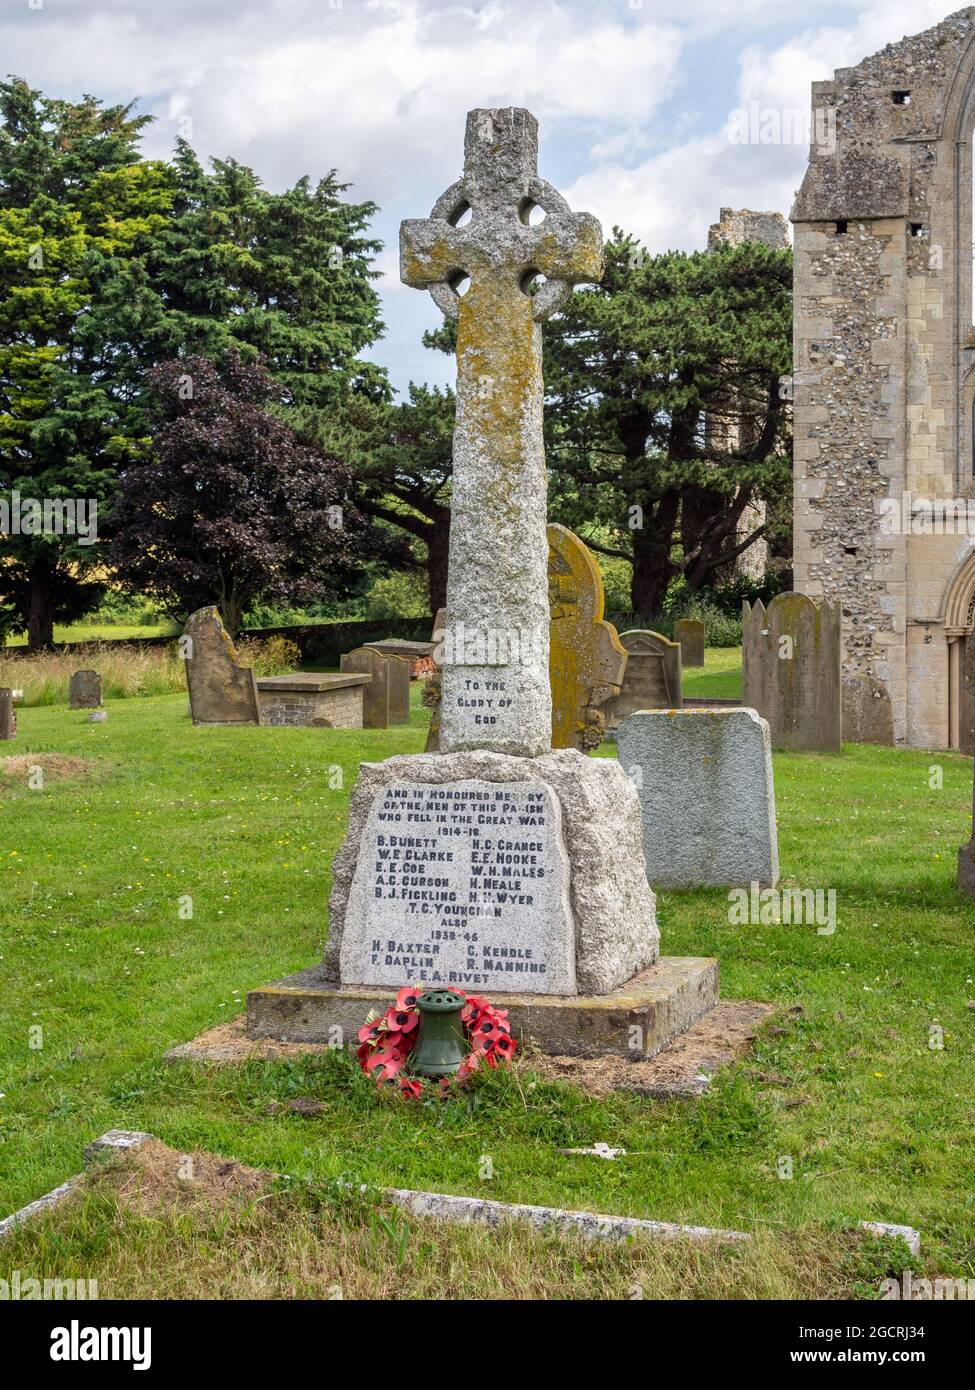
{"x":653,"y":568}
{"x":40,"y":616}
{"x":232,"y":611}
{"x":438,"y":542}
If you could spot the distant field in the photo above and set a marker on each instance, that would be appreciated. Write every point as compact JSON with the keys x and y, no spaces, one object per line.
{"x":105,"y":632}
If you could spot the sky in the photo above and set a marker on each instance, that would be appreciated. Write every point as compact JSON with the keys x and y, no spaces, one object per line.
{"x":634,"y":98}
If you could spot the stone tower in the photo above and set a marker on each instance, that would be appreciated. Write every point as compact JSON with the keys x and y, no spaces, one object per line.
{"x":885,"y":377}
{"x":735,"y":226}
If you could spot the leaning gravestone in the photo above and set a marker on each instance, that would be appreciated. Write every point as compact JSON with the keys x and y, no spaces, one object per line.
{"x":587,"y":661}
{"x":690,"y":634}
{"x":375,"y":699}
{"x":704,"y":777}
{"x":221,"y":690}
{"x":652,"y":679}
{"x":498,"y":863}
{"x":791,"y":670}
{"x":85,"y":690}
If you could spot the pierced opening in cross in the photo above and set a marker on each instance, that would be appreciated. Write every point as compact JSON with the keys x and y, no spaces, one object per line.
{"x":461,"y":215}
{"x":460,"y":282}
{"x":532,"y":281}
{"x":530,"y":213}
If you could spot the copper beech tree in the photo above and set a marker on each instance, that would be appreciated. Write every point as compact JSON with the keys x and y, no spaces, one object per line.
{"x":228,"y":506}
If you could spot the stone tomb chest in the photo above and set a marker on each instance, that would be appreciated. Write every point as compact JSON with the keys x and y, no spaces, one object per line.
{"x":311,"y":699}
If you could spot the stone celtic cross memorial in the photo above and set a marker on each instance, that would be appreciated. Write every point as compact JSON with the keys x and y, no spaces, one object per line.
{"x":497,"y":587}
{"x":497,"y":864}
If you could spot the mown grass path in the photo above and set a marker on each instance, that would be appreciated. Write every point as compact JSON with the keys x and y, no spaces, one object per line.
{"x":877,"y":1123}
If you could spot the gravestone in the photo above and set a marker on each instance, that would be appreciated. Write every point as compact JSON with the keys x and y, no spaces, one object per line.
{"x":498,"y":863}
{"x":8,"y":718}
{"x":85,"y":690}
{"x":432,"y":688}
{"x":867,"y":715}
{"x":966,"y":860}
{"x":375,"y":699}
{"x":704,"y":778}
{"x":398,"y":682}
{"x":222,"y":691}
{"x":417,"y":654}
{"x":690,"y":635}
{"x":652,"y":679}
{"x":587,"y":661}
{"x":791,"y":670}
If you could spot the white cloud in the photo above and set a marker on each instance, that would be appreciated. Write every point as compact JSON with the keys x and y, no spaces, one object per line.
{"x":671,"y":198}
{"x":377,"y":88}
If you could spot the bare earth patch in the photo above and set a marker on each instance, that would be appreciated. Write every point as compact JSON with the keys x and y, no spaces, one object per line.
{"x":683,"y":1069}
{"x":56,"y":767}
{"x":154,"y":1176}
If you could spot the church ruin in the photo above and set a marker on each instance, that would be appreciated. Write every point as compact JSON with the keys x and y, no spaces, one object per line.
{"x":884,"y":380}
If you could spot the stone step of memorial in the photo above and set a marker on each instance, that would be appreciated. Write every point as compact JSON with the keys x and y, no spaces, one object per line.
{"x":637,"y":1020}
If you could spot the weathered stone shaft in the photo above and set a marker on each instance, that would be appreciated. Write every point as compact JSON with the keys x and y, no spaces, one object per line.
{"x":497,"y":587}
{"x":495,"y":681}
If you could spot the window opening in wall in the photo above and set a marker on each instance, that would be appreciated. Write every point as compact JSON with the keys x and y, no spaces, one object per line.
{"x":901,"y":98}
{"x":841,"y":228}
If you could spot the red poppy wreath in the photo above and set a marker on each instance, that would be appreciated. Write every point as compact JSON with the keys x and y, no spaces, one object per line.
{"x":386,"y":1041}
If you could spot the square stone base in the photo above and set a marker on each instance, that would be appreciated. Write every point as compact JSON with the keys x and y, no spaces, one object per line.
{"x":636,"y":1020}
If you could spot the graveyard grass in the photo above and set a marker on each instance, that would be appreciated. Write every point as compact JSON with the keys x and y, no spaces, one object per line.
{"x":877,"y":1124}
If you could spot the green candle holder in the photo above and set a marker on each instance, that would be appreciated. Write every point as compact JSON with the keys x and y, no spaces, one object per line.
{"x":442,"y":1044}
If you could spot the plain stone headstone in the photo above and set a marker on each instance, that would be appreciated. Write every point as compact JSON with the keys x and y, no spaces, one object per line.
{"x":586,"y":662}
{"x":398,"y":682}
{"x":867,"y":713}
{"x":690,"y":635}
{"x":375,"y":697}
{"x":85,"y":690}
{"x":8,"y":719}
{"x":704,"y":778}
{"x":652,"y":679}
{"x":791,"y":670}
{"x":221,"y":690}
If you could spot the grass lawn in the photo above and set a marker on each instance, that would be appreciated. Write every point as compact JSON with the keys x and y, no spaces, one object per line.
{"x":718,"y":679}
{"x":100,"y":974}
